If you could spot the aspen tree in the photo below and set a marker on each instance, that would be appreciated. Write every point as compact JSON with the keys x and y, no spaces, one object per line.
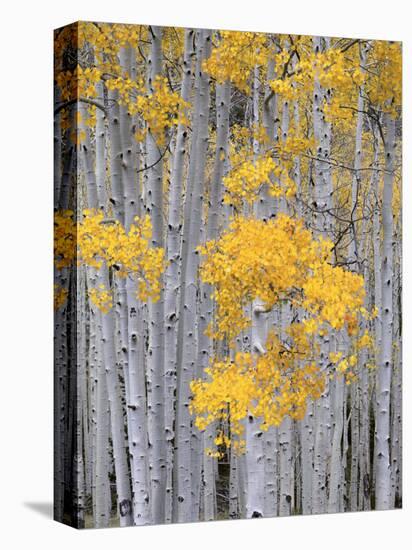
{"x":322,"y":203}
{"x":110,"y":363}
{"x":383,"y":466}
{"x":205,"y":343}
{"x":228,"y":316}
{"x":255,"y":462}
{"x":173,"y":270}
{"x":155,"y":358}
{"x":187,"y":346}
{"x":102,"y":492}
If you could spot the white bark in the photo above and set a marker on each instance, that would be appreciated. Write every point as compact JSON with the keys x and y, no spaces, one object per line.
{"x":172,"y":274}
{"x":322,"y":199}
{"x":320,"y":456}
{"x":87,"y":160}
{"x":255,"y":462}
{"x":285,"y":462}
{"x":127,"y":161}
{"x":101,"y":151}
{"x":285,"y":429}
{"x":79,"y":468}
{"x":336,"y":481}
{"x":234,"y":510}
{"x":383,"y":466}
{"x":357,"y":180}
{"x":117,"y":191}
{"x":187,"y":345}
{"x":271,"y":452}
{"x":205,"y":347}
{"x":307,"y":446}
{"x":155,"y":357}
{"x":102,"y":491}
{"x":137,"y":405}
{"x":396,"y":397}
{"x":322,"y":172}
{"x":377,"y":245}
{"x":116,"y":420}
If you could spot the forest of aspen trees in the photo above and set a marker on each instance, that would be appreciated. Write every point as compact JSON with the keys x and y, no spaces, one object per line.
{"x":227,"y":253}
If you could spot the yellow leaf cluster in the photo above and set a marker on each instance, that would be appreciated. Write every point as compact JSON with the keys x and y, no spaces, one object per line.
{"x":333,"y":295}
{"x":101,"y":298}
{"x":78,"y":82}
{"x":161,"y":109}
{"x":104,"y":39}
{"x":250,"y":173}
{"x":244,"y":182}
{"x":60,"y":296}
{"x":95,"y":241}
{"x":65,"y":237}
{"x":284,"y":88}
{"x":128,"y":253}
{"x":273,"y":261}
{"x":269,"y":386}
{"x":235,"y":57}
{"x":384,"y":85}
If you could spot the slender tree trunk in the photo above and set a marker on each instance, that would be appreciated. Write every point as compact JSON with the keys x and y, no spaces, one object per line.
{"x":102,"y":493}
{"x":78,"y":471}
{"x":322,"y":199}
{"x":396,"y":398}
{"x":383,"y":466}
{"x":255,"y":462}
{"x":69,"y":168}
{"x":57,"y":152}
{"x":155,"y":354}
{"x":116,"y":419}
{"x":101,"y":151}
{"x":335,"y":483}
{"x":205,"y":347}
{"x":172,"y":274}
{"x":285,"y":459}
{"x":357,"y":180}
{"x":377,"y":246}
{"x":187,"y":345}
{"x":307,"y":445}
{"x":117,"y":190}
{"x":138,"y":437}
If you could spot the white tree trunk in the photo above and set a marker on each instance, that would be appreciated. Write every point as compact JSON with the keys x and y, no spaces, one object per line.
{"x":255,"y":460}
{"x":155,"y":354}
{"x":187,"y":345}
{"x":117,"y":190}
{"x":100,"y":148}
{"x":336,"y":470}
{"x":322,"y":199}
{"x":172,"y":274}
{"x":102,"y":492}
{"x":307,"y":446}
{"x":116,"y":419}
{"x":383,"y":466}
